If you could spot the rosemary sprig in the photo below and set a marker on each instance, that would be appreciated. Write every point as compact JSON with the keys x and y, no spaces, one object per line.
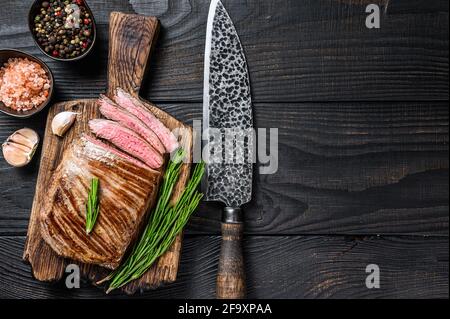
{"x":165,"y":222}
{"x":92,"y":206}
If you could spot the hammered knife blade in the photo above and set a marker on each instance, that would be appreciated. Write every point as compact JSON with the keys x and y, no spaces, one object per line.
{"x":227,"y":109}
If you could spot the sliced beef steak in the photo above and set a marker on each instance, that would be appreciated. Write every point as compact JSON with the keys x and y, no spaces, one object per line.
{"x":112,"y":111}
{"x":126,"y":140}
{"x":138,"y":109}
{"x":115,"y":151}
{"x":127,"y":191}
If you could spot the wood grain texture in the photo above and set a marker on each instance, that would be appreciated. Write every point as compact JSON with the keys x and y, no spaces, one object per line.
{"x":277,"y":267}
{"x":46,"y":265}
{"x":131,"y":40}
{"x":231,"y":282}
{"x":344,"y":168}
{"x":313,"y":50}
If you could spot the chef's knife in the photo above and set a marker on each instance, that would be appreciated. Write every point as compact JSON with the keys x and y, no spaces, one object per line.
{"x":227,"y":105}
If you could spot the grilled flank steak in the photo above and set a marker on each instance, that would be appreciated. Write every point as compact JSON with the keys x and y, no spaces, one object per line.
{"x":127,"y":189}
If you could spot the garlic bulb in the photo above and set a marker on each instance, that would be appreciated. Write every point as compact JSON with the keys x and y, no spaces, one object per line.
{"x":62,"y":122}
{"x":19,"y":148}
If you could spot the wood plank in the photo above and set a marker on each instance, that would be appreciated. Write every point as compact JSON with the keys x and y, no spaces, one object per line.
{"x":312,"y":50}
{"x":277,"y":267}
{"x":344,"y":168}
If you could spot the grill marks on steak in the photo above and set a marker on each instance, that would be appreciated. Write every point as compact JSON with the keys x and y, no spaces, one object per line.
{"x":113,"y":111}
{"x":126,"y":140}
{"x":126,"y":192}
{"x":138,"y":109}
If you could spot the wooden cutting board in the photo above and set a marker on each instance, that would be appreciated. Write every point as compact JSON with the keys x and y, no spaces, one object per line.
{"x":131,"y":39}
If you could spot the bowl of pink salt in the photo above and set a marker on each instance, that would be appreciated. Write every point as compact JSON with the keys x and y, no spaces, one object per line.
{"x":26,"y":84}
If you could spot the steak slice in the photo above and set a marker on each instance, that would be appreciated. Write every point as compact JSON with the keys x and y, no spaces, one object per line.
{"x":115,"y":151}
{"x":112,"y":111}
{"x":126,"y":140}
{"x":138,"y":109}
{"x":126,"y":193}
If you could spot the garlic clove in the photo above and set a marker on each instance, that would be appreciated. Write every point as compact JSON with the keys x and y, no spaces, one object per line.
{"x":15,"y":155}
{"x":62,"y":122}
{"x":26,"y":137}
{"x":19,"y":148}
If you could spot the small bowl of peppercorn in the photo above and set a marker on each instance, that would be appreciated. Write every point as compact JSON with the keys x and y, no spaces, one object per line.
{"x":64,"y":30}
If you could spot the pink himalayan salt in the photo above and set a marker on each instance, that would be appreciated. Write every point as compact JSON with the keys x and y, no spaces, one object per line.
{"x":24,"y":85}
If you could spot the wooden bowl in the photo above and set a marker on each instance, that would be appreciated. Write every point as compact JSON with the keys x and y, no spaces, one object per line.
{"x":34,"y":9}
{"x":10,"y":53}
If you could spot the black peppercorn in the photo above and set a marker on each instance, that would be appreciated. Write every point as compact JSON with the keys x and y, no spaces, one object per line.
{"x":58,"y":32}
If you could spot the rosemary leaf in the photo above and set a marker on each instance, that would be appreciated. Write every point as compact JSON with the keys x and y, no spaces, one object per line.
{"x":92,"y":206}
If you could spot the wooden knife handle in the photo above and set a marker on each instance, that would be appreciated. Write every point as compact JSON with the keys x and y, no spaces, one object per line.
{"x":231,"y":274}
{"x":131,"y":41}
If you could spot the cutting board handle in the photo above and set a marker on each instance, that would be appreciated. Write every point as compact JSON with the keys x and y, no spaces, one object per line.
{"x":131,"y":40}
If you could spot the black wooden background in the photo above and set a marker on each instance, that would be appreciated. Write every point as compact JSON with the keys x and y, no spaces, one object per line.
{"x":363,"y":145}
